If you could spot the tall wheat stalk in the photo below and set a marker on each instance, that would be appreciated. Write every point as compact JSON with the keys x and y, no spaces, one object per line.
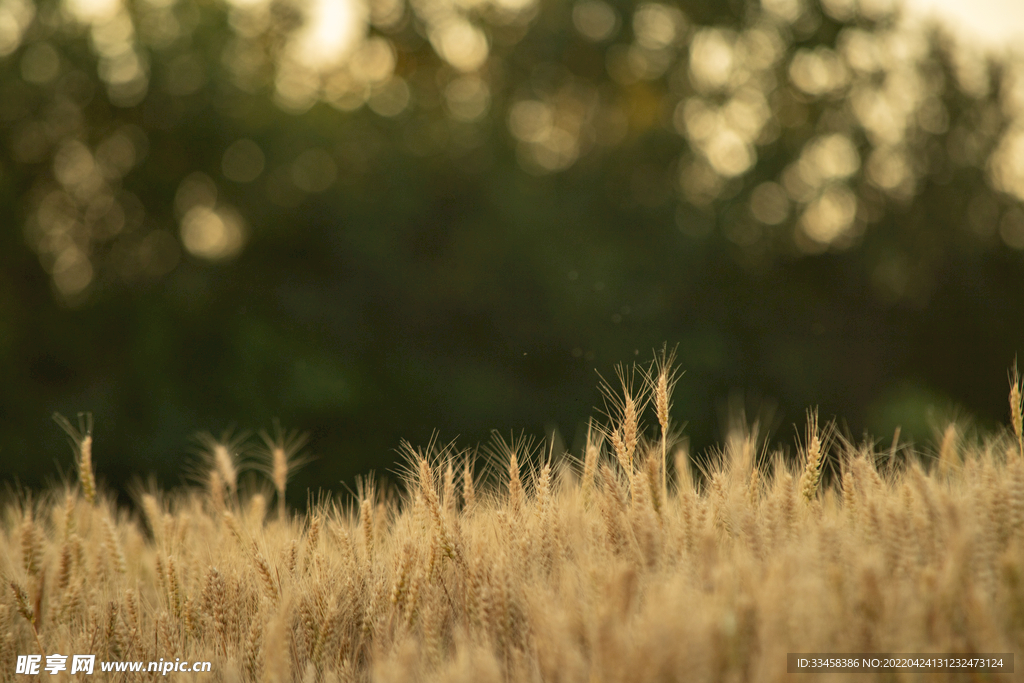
{"x":623,"y":407}
{"x":1017,"y":407}
{"x":816,"y":444}
{"x":81,"y":442}
{"x":221,"y":459}
{"x":661,"y":379}
{"x":280,"y":458}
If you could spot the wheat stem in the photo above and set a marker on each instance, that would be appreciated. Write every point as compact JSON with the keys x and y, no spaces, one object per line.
{"x":1017,"y":408}
{"x":81,"y":439}
{"x":814,"y":455}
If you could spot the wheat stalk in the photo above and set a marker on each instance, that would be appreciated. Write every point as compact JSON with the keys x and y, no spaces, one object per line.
{"x":277,"y":645}
{"x":815,"y":449}
{"x":221,"y":458}
{"x":231,"y":522}
{"x":612,"y":508}
{"x":21,"y":603}
{"x":268,"y":578}
{"x":1017,"y":407}
{"x":154,"y":515}
{"x":131,"y":605}
{"x":655,"y":487}
{"x":280,"y":458}
{"x":257,"y":509}
{"x":313,"y":537}
{"x":215,"y":485}
{"x":624,"y":415}
{"x":429,"y":495}
{"x":81,"y":442}
{"x":661,"y":379}
{"x":468,"y":489}
{"x":366,"y":523}
{"x":546,"y":588}
{"x":31,"y":546}
{"x":544,"y":508}
{"x":515,"y":484}
{"x":226,"y":466}
{"x":291,"y":556}
{"x":630,"y":428}
{"x":591,"y":455}
{"x":113,"y":546}
{"x":173,"y":586}
{"x":948,"y":451}
{"x":448,"y":491}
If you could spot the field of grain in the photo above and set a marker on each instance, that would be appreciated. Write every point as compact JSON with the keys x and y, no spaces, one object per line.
{"x":623,"y":563}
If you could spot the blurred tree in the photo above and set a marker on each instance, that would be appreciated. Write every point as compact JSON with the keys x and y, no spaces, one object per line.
{"x":373,"y":219}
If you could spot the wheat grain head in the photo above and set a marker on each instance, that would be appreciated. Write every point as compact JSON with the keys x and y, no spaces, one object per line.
{"x":1017,"y":407}
{"x":81,"y":442}
{"x":280,"y":457}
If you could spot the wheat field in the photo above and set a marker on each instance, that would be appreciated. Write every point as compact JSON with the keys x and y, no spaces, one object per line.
{"x":623,"y":563}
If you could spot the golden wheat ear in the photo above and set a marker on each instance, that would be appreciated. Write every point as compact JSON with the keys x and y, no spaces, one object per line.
{"x":816,"y":446}
{"x":280,"y":458}
{"x":81,"y":442}
{"x":624,"y":429}
{"x":220,"y":464}
{"x":660,"y":380}
{"x":1016,"y":408}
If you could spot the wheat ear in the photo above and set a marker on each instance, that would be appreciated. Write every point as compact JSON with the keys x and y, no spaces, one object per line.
{"x":590,"y":458}
{"x":515,"y":484}
{"x":468,"y":490}
{"x":1016,"y":407}
{"x":366,"y":522}
{"x":624,"y":413}
{"x":280,"y":458}
{"x":21,"y":603}
{"x":815,"y":455}
{"x":629,"y":429}
{"x":662,"y":379}
{"x":82,"y":443}
{"x":948,"y":456}
{"x":429,"y":494}
{"x":221,"y":460}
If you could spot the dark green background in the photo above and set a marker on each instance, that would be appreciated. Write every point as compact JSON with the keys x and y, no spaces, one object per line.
{"x":456,"y":292}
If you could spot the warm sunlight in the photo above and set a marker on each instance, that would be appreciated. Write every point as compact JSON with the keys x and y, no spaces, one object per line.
{"x":997,"y":23}
{"x":332,"y":30}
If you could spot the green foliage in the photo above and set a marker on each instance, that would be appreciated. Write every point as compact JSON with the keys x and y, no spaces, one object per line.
{"x":212,"y":217}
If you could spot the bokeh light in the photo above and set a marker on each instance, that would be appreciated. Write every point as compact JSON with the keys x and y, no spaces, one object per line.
{"x":594,"y":19}
{"x":93,"y":11}
{"x":15,"y":18}
{"x":820,"y":128}
{"x":818,"y":72}
{"x":331,"y":31}
{"x":213,"y":234}
{"x":712,"y":59}
{"x":829,"y":216}
{"x":209,"y":229}
{"x":657,"y":26}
